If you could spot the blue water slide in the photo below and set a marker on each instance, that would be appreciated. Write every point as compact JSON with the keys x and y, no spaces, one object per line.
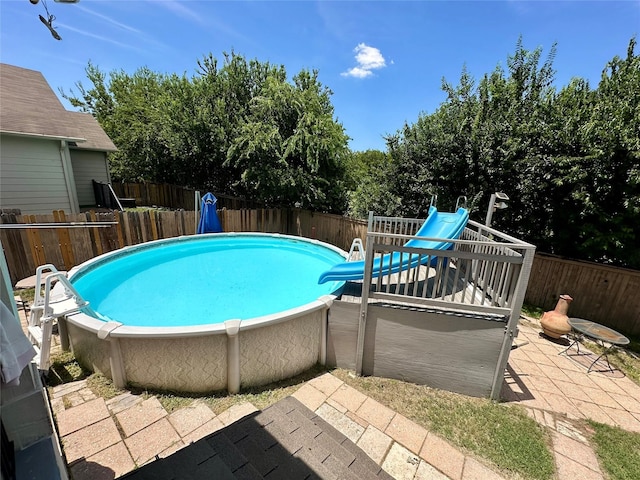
{"x":438,"y":225}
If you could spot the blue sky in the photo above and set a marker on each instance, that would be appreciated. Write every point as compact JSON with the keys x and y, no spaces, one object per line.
{"x":384,"y":61}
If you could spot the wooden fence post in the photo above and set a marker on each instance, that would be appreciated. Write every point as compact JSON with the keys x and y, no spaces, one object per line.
{"x":65,"y":240}
{"x":116,"y":217}
{"x":154,"y":227}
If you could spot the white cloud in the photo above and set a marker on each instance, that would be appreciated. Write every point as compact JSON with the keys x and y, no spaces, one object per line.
{"x":368,"y":58}
{"x":357,"y":72}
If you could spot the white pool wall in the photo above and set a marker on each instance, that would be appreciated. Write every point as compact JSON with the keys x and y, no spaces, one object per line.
{"x":202,"y":358}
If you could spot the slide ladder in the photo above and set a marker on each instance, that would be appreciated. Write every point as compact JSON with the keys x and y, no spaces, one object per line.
{"x":50,"y":303}
{"x":356,"y":252}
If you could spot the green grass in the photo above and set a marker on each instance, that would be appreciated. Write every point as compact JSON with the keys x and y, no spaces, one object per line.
{"x":504,"y":435}
{"x":532,"y":311}
{"x":261,"y":397}
{"x":64,"y":369}
{"x":101,"y":386}
{"x":617,"y":450}
{"x":26,"y":294}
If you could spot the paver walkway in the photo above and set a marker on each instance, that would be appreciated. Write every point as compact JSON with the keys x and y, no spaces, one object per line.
{"x":557,"y":391}
{"x":285,"y":441}
{"x":106,"y":439}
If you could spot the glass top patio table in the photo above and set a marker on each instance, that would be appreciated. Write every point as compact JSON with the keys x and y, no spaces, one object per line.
{"x":597,"y":331}
{"x":600,"y":334}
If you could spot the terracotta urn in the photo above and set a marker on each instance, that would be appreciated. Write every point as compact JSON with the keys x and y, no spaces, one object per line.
{"x":555,"y":322}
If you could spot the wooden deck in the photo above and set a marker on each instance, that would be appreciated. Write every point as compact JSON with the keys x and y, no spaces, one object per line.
{"x":422,"y":282}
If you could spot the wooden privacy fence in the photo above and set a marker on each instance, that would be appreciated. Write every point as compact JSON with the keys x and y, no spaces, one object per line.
{"x":334,"y":229}
{"x":173,"y":196}
{"x":26,"y":248}
{"x":604,"y":294}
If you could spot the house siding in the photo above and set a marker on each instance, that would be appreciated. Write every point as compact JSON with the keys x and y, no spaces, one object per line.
{"x":32,"y":176}
{"x":87,"y":166}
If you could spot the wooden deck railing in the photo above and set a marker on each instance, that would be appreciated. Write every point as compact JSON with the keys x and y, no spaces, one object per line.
{"x":478,"y":274}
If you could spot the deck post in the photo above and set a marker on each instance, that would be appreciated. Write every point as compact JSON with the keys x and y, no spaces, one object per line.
{"x":369,"y":224}
{"x":366,"y":285}
{"x":64,"y":333}
{"x":511,"y":330}
{"x":323,"y":337}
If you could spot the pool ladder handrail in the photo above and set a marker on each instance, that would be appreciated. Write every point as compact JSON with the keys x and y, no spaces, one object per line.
{"x":48,"y":307}
{"x":357,"y":248}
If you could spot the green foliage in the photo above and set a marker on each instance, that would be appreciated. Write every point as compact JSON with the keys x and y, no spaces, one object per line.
{"x":238,"y":128}
{"x":288,"y":149}
{"x":367,"y":177}
{"x":569,"y":159}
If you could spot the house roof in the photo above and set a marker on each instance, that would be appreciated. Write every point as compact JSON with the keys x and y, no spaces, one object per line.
{"x":28,"y":106}
{"x":95,"y":136}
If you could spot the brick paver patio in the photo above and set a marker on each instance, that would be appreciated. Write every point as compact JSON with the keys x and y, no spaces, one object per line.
{"x":104,"y":440}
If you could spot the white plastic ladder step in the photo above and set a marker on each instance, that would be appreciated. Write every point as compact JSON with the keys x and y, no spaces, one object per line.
{"x":36,"y":359}
{"x":35,"y":334}
{"x":66,"y":305}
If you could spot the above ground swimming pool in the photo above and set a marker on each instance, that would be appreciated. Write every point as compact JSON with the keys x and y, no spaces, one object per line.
{"x":205,"y":312}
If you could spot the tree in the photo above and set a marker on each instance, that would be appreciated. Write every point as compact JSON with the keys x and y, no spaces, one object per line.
{"x":477,"y":141}
{"x":569,"y":159}
{"x":606,"y":179}
{"x":367,"y":177}
{"x":238,"y":127}
{"x":139,"y":114}
{"x":289,"y":149}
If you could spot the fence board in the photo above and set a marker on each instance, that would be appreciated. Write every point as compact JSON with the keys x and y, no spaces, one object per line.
{"x":97,"y":242}
{"x":64,"y":240}
{"x":16,"y":248}
{"x":81,"y":239}
{"x":117,"y":218}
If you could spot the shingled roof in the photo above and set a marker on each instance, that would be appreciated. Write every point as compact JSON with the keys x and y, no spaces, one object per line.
{"x":95,"y":136}
{"x":28,"y":106}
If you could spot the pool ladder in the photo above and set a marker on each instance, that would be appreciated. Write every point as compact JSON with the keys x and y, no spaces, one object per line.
{"x":356,"y":252}
{"x":49,"y":304}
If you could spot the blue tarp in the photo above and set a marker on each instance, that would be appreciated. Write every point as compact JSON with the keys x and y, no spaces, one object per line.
{"x":209,"y":221}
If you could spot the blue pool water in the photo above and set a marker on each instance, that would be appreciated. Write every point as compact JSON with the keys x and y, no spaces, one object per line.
{"x":207,"y":280}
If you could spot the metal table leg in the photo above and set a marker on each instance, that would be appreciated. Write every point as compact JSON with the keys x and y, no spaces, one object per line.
{"x":576,"y":337}
{"x":605,"y":354}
